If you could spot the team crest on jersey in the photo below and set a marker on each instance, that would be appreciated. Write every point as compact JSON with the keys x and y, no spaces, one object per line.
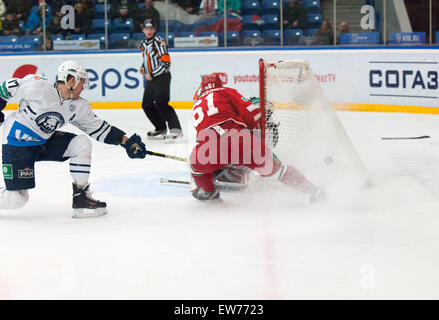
{"x":149,"y":49}
{"x":48,"y":122}
{"x":72,"y":107}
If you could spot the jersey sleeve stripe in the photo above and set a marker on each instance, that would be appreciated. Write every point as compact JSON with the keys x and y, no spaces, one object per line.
{"x":103,"y":124}
{"x":103,"y":132}
{"x":4,"y":92}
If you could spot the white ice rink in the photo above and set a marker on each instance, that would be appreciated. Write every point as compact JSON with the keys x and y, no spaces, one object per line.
{"x":159,"y":243}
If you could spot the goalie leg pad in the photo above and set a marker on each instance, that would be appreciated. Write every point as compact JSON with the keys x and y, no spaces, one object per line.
{"x":293,"y":178}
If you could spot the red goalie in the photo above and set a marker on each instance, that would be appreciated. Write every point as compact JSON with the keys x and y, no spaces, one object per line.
{"x":227,"y":134}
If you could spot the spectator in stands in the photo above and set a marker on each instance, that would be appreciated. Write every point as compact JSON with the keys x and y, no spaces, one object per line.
{"x":294,"y":15}
{"x":21,"y":8}
{"x":325,"y":34}
{"x":87,"y":6}
{"x":34,"y":23}
{"x":190,"y":6}
{"x":344,"y":28}
{"x":55,"y":26}
{"x":123,"y":9}
{"x":82,"y":20}
{"x":11,"y":25}
{"x":232,"y":6}
{"x":147,"y":12}
{"x":2,"y":9}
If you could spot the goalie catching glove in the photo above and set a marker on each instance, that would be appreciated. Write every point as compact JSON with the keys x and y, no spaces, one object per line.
{"x":135,"y":147}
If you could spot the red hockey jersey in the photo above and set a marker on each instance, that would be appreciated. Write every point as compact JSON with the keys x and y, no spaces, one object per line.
{"x":225,"y":107}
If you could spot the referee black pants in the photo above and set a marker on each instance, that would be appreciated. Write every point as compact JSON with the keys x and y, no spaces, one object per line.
{"x":156,"y":103}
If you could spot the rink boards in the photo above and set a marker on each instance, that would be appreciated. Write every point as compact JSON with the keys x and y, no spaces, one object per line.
{"x":382,"y":80}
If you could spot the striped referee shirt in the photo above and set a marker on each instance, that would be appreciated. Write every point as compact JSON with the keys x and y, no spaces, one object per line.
{"x":156,"y":60}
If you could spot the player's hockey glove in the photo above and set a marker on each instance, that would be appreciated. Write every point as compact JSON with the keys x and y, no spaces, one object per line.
{"x":135,"y":147}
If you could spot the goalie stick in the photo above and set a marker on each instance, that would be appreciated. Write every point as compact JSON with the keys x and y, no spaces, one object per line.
{"x":221,"y":185}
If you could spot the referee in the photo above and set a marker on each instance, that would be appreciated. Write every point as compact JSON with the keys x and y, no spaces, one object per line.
{"x":155,"y":68}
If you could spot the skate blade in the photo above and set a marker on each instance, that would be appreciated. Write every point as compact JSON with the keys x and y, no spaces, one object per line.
{"x":156,"y":138}
{"x":173,"y":139}
{"x":88,"y":213}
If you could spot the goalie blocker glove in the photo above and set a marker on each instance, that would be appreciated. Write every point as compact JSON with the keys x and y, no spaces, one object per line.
{"x":135,"y":148}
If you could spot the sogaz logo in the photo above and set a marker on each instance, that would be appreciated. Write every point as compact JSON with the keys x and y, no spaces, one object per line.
{"x":405,"y":79}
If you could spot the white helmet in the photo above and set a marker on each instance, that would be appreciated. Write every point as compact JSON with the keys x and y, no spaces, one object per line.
{"x":75,"y":70}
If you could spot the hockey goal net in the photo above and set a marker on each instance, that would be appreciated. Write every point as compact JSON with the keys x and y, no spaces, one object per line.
{"x":302,"y":128}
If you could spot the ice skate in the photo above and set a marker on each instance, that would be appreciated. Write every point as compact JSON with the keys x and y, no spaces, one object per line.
{"x":174,"y":134}
{"x":157,"y":134}
{"x":84,"y":206}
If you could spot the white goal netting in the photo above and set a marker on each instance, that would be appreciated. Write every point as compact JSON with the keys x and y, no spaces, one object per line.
{"x":301,"y":126}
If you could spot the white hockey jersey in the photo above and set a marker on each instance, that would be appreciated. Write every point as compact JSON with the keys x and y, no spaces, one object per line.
{"x":42,"y":111}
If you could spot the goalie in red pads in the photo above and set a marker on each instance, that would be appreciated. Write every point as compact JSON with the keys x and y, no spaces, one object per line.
{"x":227,"y":134}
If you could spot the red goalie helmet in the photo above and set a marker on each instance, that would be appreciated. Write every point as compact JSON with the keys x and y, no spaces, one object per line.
{"x":211,"y":81}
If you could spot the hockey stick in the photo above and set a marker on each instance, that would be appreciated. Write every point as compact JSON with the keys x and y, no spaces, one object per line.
{"x":164,"y":180}
{"x":406,"y":138}
{"x":167,"y":156}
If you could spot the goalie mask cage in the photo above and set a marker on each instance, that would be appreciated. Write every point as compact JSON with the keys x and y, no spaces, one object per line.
{"x":302,"y":128}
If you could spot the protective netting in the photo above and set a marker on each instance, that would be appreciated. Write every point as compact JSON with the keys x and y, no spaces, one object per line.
{"x":301,"y":126}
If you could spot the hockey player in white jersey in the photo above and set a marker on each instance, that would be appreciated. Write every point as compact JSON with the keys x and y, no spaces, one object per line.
{"x":31,"y":134}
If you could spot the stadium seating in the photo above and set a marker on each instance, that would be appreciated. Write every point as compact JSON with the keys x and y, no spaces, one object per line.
{"x":270,"y":6}
{"x":22,"y":25}
{"x":100,"y":10}
{"x":138,"y":36}
{"x":56,"y":37}
{"x":247,"y":22}
{"x":186,"y":34}
{"x":292,"y":36}
{"x":170,"y":39}
{"x":271,"y":37}
{"x":78,"y":37}
{"x":98,"y":25}
{"x":360,"y":38}
{"x":312,"y":6}
{"x":271,"y":21}
{"x":208,"y":34}
{"x":119,"y":40}
{"x":437,"y":37}
{"x":35,"y":39}
{"x":314,"y":19}
{"x":118,"y":26}
{"x":407,"y":38}
{"x":250,"y":7}
{"x":8,"y":38}
{"x":232,"y":38}
{"x":251,"y":37}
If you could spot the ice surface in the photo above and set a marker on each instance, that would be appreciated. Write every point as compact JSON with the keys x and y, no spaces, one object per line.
{"x":159,"y":243}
